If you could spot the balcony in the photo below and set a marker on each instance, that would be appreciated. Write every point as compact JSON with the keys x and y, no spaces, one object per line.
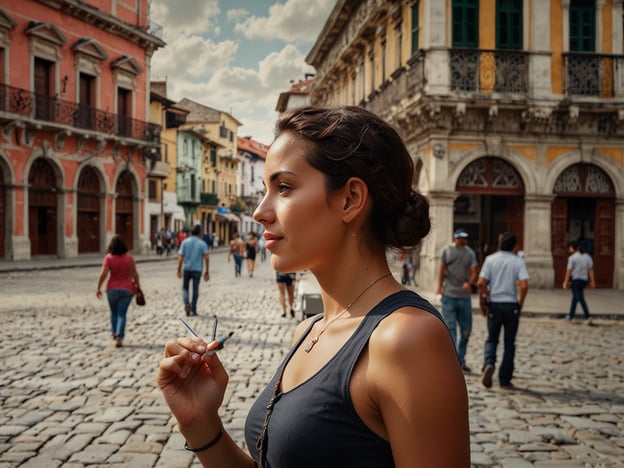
{"x":59,"y":113}
{"x":594,"y":75}
{"x":209,"y":199}
{"x":487,"y":71}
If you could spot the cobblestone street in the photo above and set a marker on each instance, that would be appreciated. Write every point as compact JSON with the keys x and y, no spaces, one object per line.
{"x":70,"y":398}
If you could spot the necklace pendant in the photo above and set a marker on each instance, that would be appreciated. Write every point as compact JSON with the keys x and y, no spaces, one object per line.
{"x":311,"y":344}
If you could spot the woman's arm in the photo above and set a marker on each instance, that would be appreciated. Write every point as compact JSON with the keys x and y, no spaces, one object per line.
{"x":193,"y":384}
{"x":418,"y":387}
{"x":135,"y":275}
{"x":101,"y":278}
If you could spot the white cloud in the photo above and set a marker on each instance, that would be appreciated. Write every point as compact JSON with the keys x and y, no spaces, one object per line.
{"x":295,"y":20}
{"x":192,"y":56}
{"x":213,"y":72}
{"x":235,"y":14}
{"x":185,"y":16}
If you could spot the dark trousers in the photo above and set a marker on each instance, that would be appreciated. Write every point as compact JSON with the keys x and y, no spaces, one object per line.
{"x":578,"y":296}
{"x":188,"y":277}
{"x":505,"y":315}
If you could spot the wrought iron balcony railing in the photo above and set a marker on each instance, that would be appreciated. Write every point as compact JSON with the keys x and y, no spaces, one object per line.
{"x":487,"y":71}
{"x":52,"y":109}
{"x":590,"y":74}
{"x":207,"y":198}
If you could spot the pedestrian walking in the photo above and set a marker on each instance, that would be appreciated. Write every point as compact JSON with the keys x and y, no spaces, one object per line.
{"x":237,"y":250}
{"x":215,"y":241}
{"x":160,"y":241}
{"x":579,"y":274}
{"x":286,"y":285}
{"x":193,"y":257}
{"x":374,"y":380}
{"x":123,"y":282}
{"x":251,"y":248}
{"x":457,"y":275}
{"x":503,"y":286}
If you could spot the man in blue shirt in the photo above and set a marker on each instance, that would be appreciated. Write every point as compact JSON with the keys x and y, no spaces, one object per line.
{"x":503,"y":286}
{"x":193,"y":254}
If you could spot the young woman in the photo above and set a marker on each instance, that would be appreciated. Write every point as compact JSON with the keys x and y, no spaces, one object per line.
{"x":375,"y":380}
{"x":122,"y":284}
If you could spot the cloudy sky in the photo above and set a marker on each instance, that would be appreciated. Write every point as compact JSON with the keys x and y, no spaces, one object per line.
{"x":236,"y":55}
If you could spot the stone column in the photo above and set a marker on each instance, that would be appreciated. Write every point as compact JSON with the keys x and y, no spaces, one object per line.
{"x":537,"y":240}
{"x":437,"y":66}
{"x":540,"y":60}
{"x":441,"y":213}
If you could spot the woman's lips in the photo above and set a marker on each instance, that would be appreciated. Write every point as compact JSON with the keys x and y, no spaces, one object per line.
{"x":271,"y":240}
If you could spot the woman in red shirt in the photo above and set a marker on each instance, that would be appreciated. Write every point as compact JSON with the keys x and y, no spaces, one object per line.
{"x":122,"y":284}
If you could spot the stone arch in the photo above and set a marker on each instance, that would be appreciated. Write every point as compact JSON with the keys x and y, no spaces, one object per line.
{"x":575,"y":157}
{"x":45,"y":206}
{"x":90,"y":208}
{"x":516,"y":160}
{"x":127,"y":210}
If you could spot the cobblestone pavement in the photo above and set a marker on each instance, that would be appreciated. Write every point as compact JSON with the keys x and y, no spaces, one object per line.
{"x":70,"y":398}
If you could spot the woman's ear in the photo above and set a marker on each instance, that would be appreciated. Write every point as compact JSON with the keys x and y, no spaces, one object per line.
{"x":355,"y":198}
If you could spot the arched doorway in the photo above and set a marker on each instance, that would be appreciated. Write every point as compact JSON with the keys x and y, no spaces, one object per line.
{"x":490,"y":202}
{"x":42,"y":209}
{"x":584,"y":210}
{"x":124,"y":208}
{"x":88,"y":211}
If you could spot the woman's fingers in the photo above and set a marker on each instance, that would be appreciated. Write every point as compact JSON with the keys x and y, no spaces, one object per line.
{"x":193,"y":345}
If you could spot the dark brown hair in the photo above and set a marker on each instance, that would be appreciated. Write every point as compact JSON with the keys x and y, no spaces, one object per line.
{"x":117,"y":245}
{"x":353,"y":142}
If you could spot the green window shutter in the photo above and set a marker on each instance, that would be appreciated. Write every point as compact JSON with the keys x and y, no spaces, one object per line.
{"x":509,"y":24}
{"x":466,"y":23}
{"x":582,"y":26}
{"x":415,"y":27}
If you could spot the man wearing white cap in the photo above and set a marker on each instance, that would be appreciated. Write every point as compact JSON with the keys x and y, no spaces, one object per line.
{"x":458,"y":273}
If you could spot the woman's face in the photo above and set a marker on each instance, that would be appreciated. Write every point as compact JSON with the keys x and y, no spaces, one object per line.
{"x":303,"y":225}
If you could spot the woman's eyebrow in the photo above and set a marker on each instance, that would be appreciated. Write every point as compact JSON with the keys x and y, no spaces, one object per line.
{"x":275,"y":175}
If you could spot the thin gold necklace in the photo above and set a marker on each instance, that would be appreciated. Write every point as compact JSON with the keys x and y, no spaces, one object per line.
{"x":314,"y":340}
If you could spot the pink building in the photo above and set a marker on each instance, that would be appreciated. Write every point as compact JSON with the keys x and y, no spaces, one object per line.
{"x":76,"y":146}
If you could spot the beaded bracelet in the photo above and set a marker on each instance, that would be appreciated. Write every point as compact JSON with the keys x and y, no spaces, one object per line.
{"x":208,"y":445}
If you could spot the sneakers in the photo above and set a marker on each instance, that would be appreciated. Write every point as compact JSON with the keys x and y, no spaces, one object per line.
{"x":589,"y":322}
{"x":187,"y":309}
{"x":486,"y":377}
{"x":292,"y":312}
{"x":118,"y":343}
{"x":507,"y":386}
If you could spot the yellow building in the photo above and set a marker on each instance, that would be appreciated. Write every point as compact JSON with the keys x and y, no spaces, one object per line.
{"x":217,"y":211}
{"x":513,"y":111}
{"x":162,"y":206}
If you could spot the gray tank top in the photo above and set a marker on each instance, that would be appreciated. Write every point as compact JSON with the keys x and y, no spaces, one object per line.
{"x":315,"y":424}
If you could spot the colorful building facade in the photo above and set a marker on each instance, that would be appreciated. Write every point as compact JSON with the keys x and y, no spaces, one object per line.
{"x":75,"y":143}
{"x":513,"y":111}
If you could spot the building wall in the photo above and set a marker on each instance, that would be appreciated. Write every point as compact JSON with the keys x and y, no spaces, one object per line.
{"x":460,"y":109}
{"x":45,"y":131}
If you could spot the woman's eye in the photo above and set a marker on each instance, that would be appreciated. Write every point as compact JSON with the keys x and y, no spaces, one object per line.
{"x":283,"y":188}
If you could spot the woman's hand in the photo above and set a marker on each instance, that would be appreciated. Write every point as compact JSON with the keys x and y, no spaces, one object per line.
{"x":192,"y":382}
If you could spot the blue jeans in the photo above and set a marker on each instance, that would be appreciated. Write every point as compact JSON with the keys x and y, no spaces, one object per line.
{"x":457,"y":311}
{"x":504,"y":315}
{"x":118,"y":301}
{"x":195,"y":276}
{"x":577,"y":286}
{"x":238,"y":263}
